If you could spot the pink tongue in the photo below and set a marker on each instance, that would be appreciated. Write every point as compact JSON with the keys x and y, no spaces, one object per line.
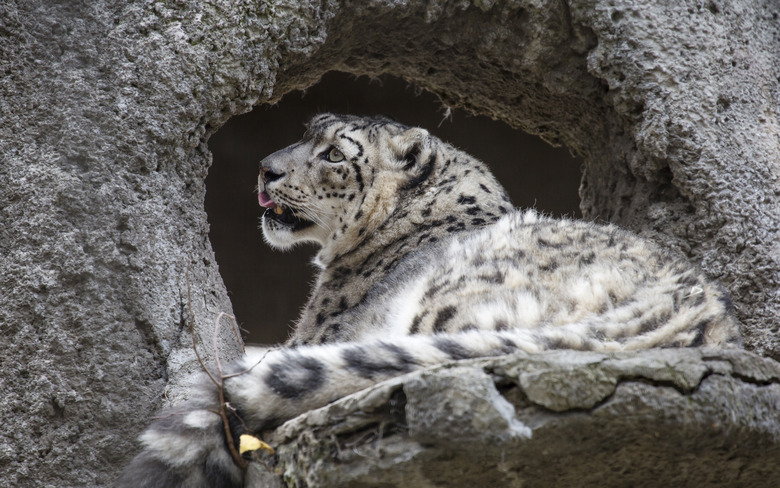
{"x":265,"y":200}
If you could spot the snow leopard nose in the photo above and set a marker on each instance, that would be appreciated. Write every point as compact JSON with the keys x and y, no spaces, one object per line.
{"x":268,"y":175}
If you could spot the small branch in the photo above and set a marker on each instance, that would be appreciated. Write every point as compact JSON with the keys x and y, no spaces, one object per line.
{"x":192,"y":330}
{"x":219,"y":380}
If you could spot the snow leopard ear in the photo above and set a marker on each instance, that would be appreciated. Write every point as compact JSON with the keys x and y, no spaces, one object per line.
{"x":414,"y":149}
{"x":409,"y":147}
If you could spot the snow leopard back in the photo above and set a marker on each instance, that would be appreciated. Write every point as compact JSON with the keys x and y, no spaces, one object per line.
{"x":423,"y":260}
{"x":567,"y":284}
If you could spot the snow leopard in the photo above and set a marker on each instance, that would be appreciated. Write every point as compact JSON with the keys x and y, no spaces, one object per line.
{"x":422,"y":260}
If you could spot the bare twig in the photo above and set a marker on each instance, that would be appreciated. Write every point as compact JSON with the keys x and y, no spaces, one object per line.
{"x":244,"y":371}
{"x":220,"y":379}
{"x":192,"y":330}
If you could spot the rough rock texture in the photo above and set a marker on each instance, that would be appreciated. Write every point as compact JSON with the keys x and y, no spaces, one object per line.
{"x":659,"y":418}
{"x":105,"y":108}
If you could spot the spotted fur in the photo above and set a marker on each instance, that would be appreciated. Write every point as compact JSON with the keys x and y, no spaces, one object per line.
{"x":424,"y":260}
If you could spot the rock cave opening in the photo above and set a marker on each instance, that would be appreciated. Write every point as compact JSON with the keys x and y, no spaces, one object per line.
{"x":267,"y":287}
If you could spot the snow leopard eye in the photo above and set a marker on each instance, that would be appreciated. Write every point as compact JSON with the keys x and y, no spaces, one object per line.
{"x":334,"y":155}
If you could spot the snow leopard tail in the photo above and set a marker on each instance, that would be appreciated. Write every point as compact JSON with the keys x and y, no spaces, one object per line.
{"x":187,"y":446}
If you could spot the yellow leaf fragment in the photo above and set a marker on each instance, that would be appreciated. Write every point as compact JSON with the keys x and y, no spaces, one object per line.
{"x":251,"y":443}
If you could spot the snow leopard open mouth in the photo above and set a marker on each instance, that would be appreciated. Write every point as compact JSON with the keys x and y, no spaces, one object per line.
{"x":286,"y":216}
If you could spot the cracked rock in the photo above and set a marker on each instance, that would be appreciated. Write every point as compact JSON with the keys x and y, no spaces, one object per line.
{"x":672,"y":417}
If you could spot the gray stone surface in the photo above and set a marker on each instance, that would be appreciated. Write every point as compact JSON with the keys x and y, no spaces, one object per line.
{"x":656,"y":418}
{"x":105,"y":109}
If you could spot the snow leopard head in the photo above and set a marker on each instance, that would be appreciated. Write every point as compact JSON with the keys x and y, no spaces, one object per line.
{"x":341,"y":180}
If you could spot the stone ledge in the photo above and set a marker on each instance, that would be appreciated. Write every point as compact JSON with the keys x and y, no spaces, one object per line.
{"x":669,"y":417}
